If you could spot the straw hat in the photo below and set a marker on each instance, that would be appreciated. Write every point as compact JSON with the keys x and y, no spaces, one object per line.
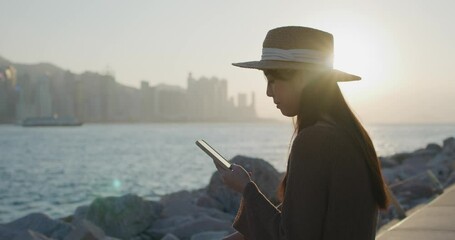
{"x":296,"y":47}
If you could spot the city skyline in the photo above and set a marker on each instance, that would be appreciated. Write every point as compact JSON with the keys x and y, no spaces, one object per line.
{"x":44,"y":90}
{"x":402,"y":50}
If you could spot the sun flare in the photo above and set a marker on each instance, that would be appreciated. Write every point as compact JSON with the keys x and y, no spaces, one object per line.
{"x":361,"y":54}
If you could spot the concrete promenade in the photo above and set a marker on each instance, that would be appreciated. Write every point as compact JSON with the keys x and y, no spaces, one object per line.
{"x":436,"y":221}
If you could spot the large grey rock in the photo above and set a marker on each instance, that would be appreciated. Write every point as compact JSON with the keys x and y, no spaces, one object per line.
{"x":442,"y":166}
{"x":184,"y":203}
{"x":390,"y":175}
{"x":208,"y":202}
{"x":173,"y":223}
{"x":404,"y":171}
{"x":178,"y":203}
{"x":440,"y":171}
{"x":167,"y":225}
{"x":170,"y":236}
{"x":142,"y":237}
{"x":11,"y":234}
{"x":415,"y":190}
{"x":449,"y":145}
{"x":434,"y":147}
{"x":185,"y":227}
{"x":264,"y":175}
{"x":442,"y":159}
{"x":202,"y":224}
{"x":400,"y":157}
{"x":450,"y":180}
{"x":85,"y":230}
{"x":40,"y":223}
{"x":420,"y":158}
{"x":387,"y":162}
{"x":79,"y":214}
{"x":180,"y":209}
{"x":211,"y":235}
{"x":121,"y":217}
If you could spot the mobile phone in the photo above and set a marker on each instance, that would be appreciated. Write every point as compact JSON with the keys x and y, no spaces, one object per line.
{"x":213,"y":154}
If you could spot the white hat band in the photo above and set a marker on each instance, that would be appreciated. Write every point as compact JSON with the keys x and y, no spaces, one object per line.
{"x":297,"y":55}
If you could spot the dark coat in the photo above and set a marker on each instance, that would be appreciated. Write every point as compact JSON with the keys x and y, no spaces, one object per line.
{"x":328,"y":194}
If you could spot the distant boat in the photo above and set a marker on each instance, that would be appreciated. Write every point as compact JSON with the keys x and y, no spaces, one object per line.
{"x":51,"y":121}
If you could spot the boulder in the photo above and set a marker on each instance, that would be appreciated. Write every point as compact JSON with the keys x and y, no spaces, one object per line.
{"x":184,"y":203}
{"x":185,"y":227}
{"x":419,"y":188}
{"x":441,"y":172}
{"x":208,"y":202}
{"x":173,"y":223}
{"x":85,"y":230}
{"x":449,"y":145}
{"x":202,"y":224}
{"x":121,"y":217}
{"x":450,"y":180}
{"x":434,"y":147}
{"x":35,"y":223}
{"x":442,"y":159}
{"x":170,"y":236}
{"x":167,"y":225}
{"x":12,"y":234}
{"x":387,"y":162}
{"x":400,"y":157}
{"x":406,"y":171}
{"x":420,"y":157}
{"x":263,"y":174}
{"x":178,"y":203}
{"x":442,"y":165}
{"x":79,"y":214}
{"x":211,"y":235}
{"x":142,"y":237}
{"x":390,"y":175}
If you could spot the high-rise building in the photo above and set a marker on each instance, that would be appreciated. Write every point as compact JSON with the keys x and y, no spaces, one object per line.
{"x":93,"y":95}
{"x":8,"y":93}
{"x":171,"y":101}
{"x":149,"y":102}
{"x":207,"y":98}
{"x":44,"y":97}
{"x":64,"y":95}
{"x":242,"y":100}
{"x":243,"y":110}
{"x":26,"y":100}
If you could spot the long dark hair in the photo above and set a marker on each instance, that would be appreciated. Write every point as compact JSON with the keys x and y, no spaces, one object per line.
{"x":322,"y":96}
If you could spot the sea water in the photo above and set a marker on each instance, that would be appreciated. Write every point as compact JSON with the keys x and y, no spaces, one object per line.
{"x":54,"y":170}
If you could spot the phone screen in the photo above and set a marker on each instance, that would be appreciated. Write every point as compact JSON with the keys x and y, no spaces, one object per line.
{"x":213,"y":153}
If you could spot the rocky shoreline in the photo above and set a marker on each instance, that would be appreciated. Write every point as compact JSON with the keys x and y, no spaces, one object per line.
{"x":207,"y":213}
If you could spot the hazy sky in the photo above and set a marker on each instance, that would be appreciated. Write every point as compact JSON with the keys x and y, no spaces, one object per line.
{"x":404,"y":49}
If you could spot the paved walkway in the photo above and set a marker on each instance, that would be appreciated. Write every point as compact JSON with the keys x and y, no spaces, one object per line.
{"x":436,"y":221}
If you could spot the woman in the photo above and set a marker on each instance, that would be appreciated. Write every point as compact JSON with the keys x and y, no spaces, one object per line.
{"x":333,"y":185}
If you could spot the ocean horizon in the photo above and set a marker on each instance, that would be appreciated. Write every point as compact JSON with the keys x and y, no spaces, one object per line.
{"x":54,"y":170}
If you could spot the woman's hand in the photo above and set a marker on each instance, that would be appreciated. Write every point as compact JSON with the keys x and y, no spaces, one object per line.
{"x":236,"y":178}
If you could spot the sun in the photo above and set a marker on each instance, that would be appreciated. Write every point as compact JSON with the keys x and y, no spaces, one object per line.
{"x":363,"y":54}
